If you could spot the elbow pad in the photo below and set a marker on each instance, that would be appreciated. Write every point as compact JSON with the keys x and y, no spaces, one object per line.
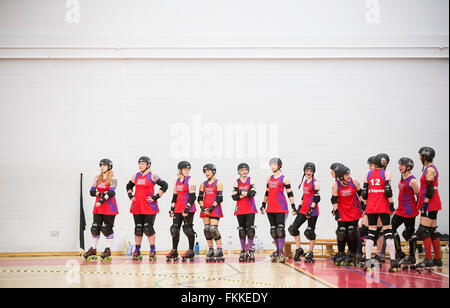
{"x":130,"y":186}
{"x":164,"y":186}
{"x":430,"y":191}
{"x":251,"y":193}
{"x":192,"y":198}
{"x":174,"y":198}
{"x":359,"y":192}
{"x":200,"y":196}
{"x":334,"y":199}
{"x":365,"y":191}
{"x":111,"y":193}
{"x":388,"y":189}
{"x":219,"y":199}
{"x":267,"y":194}
{"x":290,"y":194}
{"x":93,"y":192}
{"x":316,"y":199}
{"x":287,"y":186}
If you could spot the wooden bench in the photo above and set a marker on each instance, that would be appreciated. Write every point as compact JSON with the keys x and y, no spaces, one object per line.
{"x":329,"y":244}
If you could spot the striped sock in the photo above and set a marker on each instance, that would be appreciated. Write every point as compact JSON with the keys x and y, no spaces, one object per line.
{"x":95,"y":241}
{"x":109,"y":240}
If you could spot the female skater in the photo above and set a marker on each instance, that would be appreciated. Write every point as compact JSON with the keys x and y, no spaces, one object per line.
{"x":277,"y":209}
{"x":429,"y":205}
{"x":244,"y":193}
{"x":308,"y":211}
{"x":183,"y":210}
{"x":105,"y":209}
{"x":144,"y":206}
{"x":210,"y":199}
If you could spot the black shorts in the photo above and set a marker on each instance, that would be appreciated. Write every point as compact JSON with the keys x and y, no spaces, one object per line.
{"x":141,"y":219}
{"x":179,"y":219}
{"x":300,"y":220}
{"x":431,"y":215}
{"x":397,"y":221}
{"x":373,"y":219}
{"x":276,"y":219}
{"x":99,"y":219}
{"x":347,"y":224}
{"x":246,"y":221}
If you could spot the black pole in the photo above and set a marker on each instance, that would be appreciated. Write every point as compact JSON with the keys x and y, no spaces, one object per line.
{"x":82,"y":217}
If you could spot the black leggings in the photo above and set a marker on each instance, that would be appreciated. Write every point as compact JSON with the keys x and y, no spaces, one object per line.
{"x":373,"y":219}
{"x":410,"y":223}
{"x":276,"y":219}
{"x":145,"y":223}
{"x":352,"y":244}
{"x":246,"y":221}
{"x":178,"y":221}
{"x":301,"y":219}
{"x":99,"y":219}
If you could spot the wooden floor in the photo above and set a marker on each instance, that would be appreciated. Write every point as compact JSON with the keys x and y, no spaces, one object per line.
{"x":74,"y":272}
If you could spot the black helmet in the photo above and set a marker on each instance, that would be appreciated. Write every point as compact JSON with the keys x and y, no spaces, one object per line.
{"x":106,"y":162}
{"x":382,"y":160}
{"x":145,"y":159}
{"x":243,"y":166}
{"x":184,"y":164}
{"x":211,"y":167}
{"x":276,"y":160}
{"x":408,"y":162}
{"x":371,"y":160}
{"x":427,"y":154}
{"x":340,"y":172}
{"x":335,"y":166}
{"x":309,"y":166}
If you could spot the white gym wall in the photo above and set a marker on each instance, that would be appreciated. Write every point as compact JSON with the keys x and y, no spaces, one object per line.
{"x":209,"y":81}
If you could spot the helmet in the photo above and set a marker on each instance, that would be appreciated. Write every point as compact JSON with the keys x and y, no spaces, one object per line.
{"x":106,"y":162}
{"x":382,"y":160}
{"x":335,"y":166}
{"x":427,"y":153}
{"x":184,"y":164}
{"x":276,"y":160}
{"x":408,"y":162}
{"x":145,"y":159}
{"x":309,"y":166}
{"x":371,"y":160}
{"x":211,"y":167}
{"x":340,"y":172}
{"x":243,"y":166}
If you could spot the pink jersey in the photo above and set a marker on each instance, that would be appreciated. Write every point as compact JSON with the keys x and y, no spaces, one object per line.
{"x":377,"y":202}
{"x":308,"y":197}
{"x":209,"y":199}
{"x":144,"y":188}
{"x":277,"y":201}
{"x":246,"y":205}
{"x":110,"y":205}
{"x":407,"y":206}
{"x":435,"y":203}
{"x":183,"y":196}
{"x":349,"y":205}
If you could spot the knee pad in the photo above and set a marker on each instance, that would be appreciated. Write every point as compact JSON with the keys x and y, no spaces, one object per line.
{"x":208,"y":233}
{"x":138,"y":230}
{"x":216,"y":233}
{"x":273,"y":232}
{"x":292,"y":231}
{"x":107,"y":230}
{"x":351,"y":233}
{"x":341,"y":233}
{"x":422,"y":233}
{"x":363,"y":231}
{"x":148,"y":229}
{"x":372,"y":235}
{"x":251,"y":232}
{"x":95,"y":230}
{"x":408,"y":233}
{"x":388,"y":234}
{"x":280,"y":231}
{"x":175,"y":231}
{"x":309,"y":234}
{"x":188,"y":230}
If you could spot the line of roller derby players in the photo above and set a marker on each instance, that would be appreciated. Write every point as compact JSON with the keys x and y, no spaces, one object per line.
{"x":363,"y":212}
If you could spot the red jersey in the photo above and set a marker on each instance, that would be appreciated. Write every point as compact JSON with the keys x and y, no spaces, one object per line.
{"x":183,"y":196}
{"x":209,"y":199}
{"x":144,"y":188}
{"x":308,"y":197}
{"x":277,"y":201}
{"x":407,"y":206}
{"x":435,"y":203}
{"x":349,"y":205}
{"x":110,"y":206}
{"x":246,"y":205}
{"x":377,"y":202}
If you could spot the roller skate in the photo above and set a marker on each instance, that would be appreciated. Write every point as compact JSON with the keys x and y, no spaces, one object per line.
{"x":437,"y":265}
{"x":152,"y":256}
{"x":188,"y":255}
{"x":137,"y":254}
{"x":90,"y":255}
{"x":281,"y":257}
{"x":372,"y":265}
{"x":243,"y":257}
{"x":218,"y":256}
{"x":408,"y":263}
{"x":360,"y":261}
{"x":309,"y":257}
{"x":172,"y":256}
{"x":394,"y":267}
{"x":106,"y":255}
{"x":251,"y":256}
{"x":340,"y":259}
{"x":425,"y":266}
{"x":274,"y":256}
{"x":210,"y":255}
{"x":399,"y":256}
{"x":350,"y":259}
{"x":298,"y":253}
{"x":380,"y":258}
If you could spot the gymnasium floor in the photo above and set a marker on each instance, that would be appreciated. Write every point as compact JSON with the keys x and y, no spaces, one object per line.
{"x":73,"y":272}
